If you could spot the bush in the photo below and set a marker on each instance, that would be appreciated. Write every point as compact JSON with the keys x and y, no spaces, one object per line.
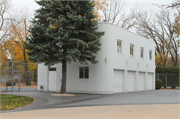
{"x":35,"y":80}
{"x":35,"y":76}
{"x":9,"y":83}
{"x":22,"y":81}
{"x":159,"y":83}
{"x":28,"y":83}
{"x":172,"y":79}
{"x":15,"y":80}
{"x":167,"y":70}
{"x":173,"y":86}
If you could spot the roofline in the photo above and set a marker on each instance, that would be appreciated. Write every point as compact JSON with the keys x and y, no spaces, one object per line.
{"x":125,"y":30}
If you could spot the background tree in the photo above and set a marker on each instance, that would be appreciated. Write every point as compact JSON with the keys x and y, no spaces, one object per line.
{"x":19,"y":33}
{"x":4,"y":7}
{"x":63,"y":31}
{"x":12,"y":47}
{"x":175,"y":4}
{"x":100,"y":5}
{"x":160,"y":28}
{"x":116,"y":13}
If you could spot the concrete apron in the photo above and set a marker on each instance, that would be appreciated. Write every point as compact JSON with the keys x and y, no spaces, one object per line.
{"x":165,"y":111}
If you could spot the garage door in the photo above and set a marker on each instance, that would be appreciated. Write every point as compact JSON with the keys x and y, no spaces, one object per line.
{"x":149,"y":81}
{"x":141,"y":78}
{"x":117,"y":81}
{"x":130,"y":81}
{"x":52,"y":80}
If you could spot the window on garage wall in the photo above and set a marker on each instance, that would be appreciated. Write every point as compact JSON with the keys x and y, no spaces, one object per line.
{"x":132,"y":49}
{"x":52,"y":69}
{"x":83,"y":72}
{"x":142,"y":52}
{"x":119,"y":46}
{"x":150,"y":54}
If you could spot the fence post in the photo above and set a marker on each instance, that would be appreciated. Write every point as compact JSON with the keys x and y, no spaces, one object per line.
{"x":19,"y":76}
{"x":166,"y":80}
{"x":158,"y":76}
{"x":29,"y":78}
{"x":12,"y":77}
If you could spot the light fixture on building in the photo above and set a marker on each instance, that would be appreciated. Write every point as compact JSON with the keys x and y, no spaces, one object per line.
{"x":106,"y":59}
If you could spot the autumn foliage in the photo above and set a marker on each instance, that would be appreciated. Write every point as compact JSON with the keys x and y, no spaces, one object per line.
{"x":100,"y":5}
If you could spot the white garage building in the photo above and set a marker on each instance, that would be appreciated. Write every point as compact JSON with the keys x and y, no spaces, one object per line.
{"x":126,"y":64}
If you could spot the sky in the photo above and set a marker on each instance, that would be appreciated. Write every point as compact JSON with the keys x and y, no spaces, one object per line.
{"x":144,"y":4}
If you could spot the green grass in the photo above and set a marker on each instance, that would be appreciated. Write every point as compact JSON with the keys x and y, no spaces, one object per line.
{"x":9,"y":102}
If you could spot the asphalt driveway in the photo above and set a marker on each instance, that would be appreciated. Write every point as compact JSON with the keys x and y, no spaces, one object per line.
{"x":44,"y":100}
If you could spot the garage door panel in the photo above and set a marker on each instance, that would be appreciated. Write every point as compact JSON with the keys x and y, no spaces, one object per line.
{"x":149,"y":81}
{"x":141,"y":79}
{"x":130,"y":81}
{"x":117,"y":82}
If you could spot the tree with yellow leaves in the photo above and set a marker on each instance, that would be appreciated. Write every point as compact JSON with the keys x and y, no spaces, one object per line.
{"x":13,"y":46}
{"x":100,"y":5}
{"x":161,"y":59}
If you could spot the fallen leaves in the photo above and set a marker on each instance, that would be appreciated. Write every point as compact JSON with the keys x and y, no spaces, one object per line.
{"x":9,"y":102}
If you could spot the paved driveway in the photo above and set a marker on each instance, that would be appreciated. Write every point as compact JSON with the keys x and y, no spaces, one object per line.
{"x":163,"y":104}
{"x":44,"y":100}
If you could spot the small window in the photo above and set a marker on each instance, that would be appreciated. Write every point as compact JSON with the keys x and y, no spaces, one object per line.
{"x":83,"y":72}
{"x":150,"y":54}
{"x":131,"y":49}
{"x":142,"y":52}
{"x":52,"y":69}
{"x":119,"y":46}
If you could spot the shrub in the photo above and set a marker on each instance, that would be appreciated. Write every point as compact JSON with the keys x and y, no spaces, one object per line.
{"x":15,"y":80}
{"x":22,"y":81}
{"x":159,"y":83}
{"x":28,"y":83}
{"x":167,"y":70}
{"x":35,"y":76}
{"x":172,"y":79}
{"x":173,"y":86}
{"x":9,"y":83}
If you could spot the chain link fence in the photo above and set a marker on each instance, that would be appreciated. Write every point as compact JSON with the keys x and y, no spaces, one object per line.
{"x":18,"y":76}
{"x":169,"y":80}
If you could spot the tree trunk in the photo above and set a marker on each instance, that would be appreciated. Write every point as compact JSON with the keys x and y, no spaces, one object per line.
{"x":24,"y":53}
{"x":63,"y":84}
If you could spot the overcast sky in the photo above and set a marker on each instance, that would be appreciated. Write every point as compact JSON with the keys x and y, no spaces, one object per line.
{"x":145,"y":4}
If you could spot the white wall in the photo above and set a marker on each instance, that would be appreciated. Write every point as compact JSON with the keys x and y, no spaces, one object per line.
{"x":42,"y":77}
{"x":101,"y":74}
{"x":125,"y":61}
{"x":58,"y":77}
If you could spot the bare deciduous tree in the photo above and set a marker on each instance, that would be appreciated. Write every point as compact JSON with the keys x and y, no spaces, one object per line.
{"x":160,"y":28}
{"x":4,"y":7}
{"x":117,"y":14}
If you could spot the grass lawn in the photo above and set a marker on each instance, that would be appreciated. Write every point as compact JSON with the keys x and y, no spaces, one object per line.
{"x":9,"y":102}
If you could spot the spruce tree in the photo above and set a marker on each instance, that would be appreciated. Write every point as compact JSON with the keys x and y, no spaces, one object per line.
{"x":63,"y":31}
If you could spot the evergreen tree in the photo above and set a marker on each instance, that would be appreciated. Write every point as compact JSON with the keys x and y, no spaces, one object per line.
{"x":63,"y":31}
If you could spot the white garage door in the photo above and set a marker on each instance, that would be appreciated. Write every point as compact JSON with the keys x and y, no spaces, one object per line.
{"x":130,"y":81}
{"x":52,"y":80}
{"x":149,"y":81}
{"x":141,"y":78}
{"x":117,"y":81}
